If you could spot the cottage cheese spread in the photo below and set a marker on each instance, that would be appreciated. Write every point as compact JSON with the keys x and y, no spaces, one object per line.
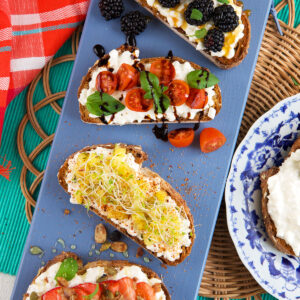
{"x":175,"y":17}
{"x":170,"y":253}
{"x":128,"y":116}
{"x":46,"y":281}
{"x":284,"y":201}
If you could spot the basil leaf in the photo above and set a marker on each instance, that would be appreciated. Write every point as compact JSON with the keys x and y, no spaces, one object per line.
{"x":102,"y":104}
{"x":150,"y":84}
{"x":196,"y":14}
{"x":224,"y":1}
{"x":67,"y":269}
{"x":201,"y":33}
{"x":93,"y":294}
{"x":200,"y":79}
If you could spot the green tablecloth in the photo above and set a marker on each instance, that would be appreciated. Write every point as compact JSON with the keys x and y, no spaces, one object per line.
{"x":13,"y":223}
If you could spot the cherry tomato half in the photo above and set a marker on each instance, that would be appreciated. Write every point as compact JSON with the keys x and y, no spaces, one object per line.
{"x":145,"y":291}
{"x":135,"y":100}
{"x":124,"y":286}
{"x":86,"y":289}
{"x":106,"y":82}
{"x":182,"y":137}
{"x":127,"y":76}
{"x":178,"y":92}
{"x":211,"y":139}
{"x":164,"y":70}
{"x":53,"y":294}
{"x":197,"y":98}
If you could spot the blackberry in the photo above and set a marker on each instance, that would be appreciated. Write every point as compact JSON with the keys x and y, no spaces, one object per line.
{"x":111,"y":9}
{"x":225,"y":18}
{"x":206,"y":7}
{"x":169,"y":3}
{"x":214,"y":40}
{"x":133,"y":23}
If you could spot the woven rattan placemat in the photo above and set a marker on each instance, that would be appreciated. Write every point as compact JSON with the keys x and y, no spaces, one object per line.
{"x":276,"y":77}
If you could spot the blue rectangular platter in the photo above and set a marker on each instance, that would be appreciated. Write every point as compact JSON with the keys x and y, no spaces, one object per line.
{"x":206,"y":173}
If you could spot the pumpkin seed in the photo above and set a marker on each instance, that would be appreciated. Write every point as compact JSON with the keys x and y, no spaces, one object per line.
{"x":102,"y":278}
{"x":105,"y":246}
{"x":34,"y":296}
{"x":111,"y":271}
{"x":35,"y":250}
{"x":100,"y":234}
{"x":119,"y":247}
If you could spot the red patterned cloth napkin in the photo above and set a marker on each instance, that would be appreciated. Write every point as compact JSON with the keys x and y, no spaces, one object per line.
{"x":31,"y":32}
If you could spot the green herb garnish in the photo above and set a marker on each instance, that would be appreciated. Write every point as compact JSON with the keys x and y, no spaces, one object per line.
{"x":150,"y":84}
{"x":201,"y":79}
{"x":201,"y":33}
{"x":67,"y":269}
{"x":102,"y":104}
{"x":196,"y":14}
{"x":93,"y":294}
{"x":224,"y":1}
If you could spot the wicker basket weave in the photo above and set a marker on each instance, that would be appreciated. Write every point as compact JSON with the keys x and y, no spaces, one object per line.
{"x":278,"y":64}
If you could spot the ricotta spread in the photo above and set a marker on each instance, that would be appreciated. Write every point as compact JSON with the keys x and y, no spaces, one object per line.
{"x":172,"y":252}
{"x":46,"y":281}
{"x":175,"y":17}
{"x":116,"y":59}
{"x":284,"y":201}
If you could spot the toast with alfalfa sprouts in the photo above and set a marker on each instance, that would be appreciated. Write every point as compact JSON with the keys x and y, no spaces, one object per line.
{"x":65,"y":277}
{"x":120,"y":88}
{"x":110,"y":181}
{"x":280,"y":243}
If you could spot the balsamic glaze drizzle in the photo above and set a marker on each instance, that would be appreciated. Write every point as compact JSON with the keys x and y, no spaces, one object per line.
{"x":103,"y":120}
{"x":103,"y":61}
{"x":170,"y":54}
{"x":161,"y":133}
{"x":130,"y":40}
{"x":99,"y":50}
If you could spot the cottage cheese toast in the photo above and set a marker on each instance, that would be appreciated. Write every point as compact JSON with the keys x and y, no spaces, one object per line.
{"x":280,"y":243}
{"x":110,"y":180}
{"x":109,"y":275}
{"x":128,"y":55}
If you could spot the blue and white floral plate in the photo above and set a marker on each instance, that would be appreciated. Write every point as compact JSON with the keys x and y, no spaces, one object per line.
{"x":265,"y":145}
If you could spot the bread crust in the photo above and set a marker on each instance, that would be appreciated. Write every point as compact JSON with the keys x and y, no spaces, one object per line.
{"x":99,"y":263}
{"x":279,"y":243}
{"x":84,"y":113}
{"x":241,"y":49}
{"x":140,"y":156}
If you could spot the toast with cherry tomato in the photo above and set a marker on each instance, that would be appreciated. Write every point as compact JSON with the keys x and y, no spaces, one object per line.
{"x":123,"y":89}
{"x":109,"y":180}
{"x":220,"y":29}
{"x":65,"y":277}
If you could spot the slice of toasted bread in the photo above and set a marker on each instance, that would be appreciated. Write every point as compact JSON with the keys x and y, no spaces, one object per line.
{"x":279,"y":243}
{"x":139,"y":156}
{"x":100,"y":263}
{"x":200,"y":116}
{"x":241,"y":49}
